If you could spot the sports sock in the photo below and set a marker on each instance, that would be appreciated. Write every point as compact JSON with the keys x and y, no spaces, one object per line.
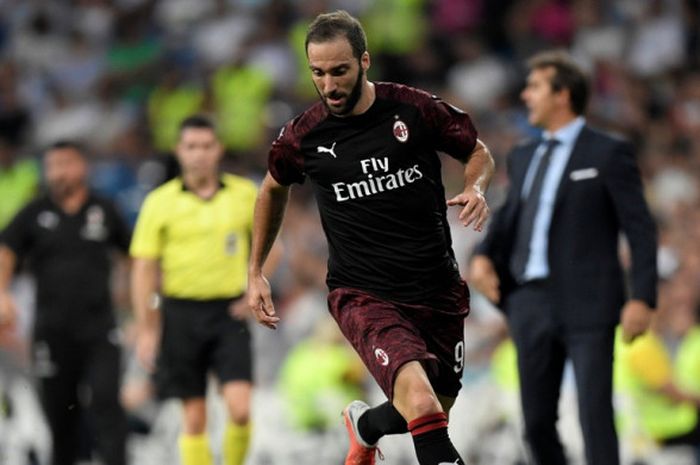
{"x":379,"y":421}
{"x":236,"y":440}
{"x":194,"y":450}
{"x":433,"y":445}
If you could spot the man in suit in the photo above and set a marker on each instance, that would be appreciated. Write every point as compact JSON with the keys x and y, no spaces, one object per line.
{"x":550,"y":259}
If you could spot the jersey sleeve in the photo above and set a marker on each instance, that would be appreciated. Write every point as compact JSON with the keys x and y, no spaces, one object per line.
{"x":454,"y":131}
{"x":147,"y":241}
{"x":285,"y":161}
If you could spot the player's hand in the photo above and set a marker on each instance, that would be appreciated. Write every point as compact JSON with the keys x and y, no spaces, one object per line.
{"x":147,"y":341}
{"x":483,"y":277}
{"x":8,"y":311}
{"x":239,"y":308}
{"x":260,"y":301}
{"x":635,"y":319}
{"x":475,"y":209}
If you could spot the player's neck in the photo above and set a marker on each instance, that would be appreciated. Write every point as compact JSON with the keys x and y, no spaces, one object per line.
{"x":202,"y":186}
{"x":366,"y":99}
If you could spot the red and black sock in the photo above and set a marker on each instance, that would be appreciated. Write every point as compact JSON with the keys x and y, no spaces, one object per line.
{"x":379,"y":421}
{"x":433,"y":445}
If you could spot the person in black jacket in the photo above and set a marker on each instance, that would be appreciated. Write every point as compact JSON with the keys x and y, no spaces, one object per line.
{"x":67,"y":238}
{"x":550,"y":259}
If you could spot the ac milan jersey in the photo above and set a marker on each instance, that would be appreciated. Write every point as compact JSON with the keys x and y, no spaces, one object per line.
{"x":378,"y":185}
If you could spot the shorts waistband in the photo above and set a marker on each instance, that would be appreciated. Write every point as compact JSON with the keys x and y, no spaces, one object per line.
{"x":203,"y":303}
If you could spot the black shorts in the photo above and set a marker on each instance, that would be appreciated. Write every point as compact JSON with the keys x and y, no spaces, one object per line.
{"x":200,"y":337}
{"x":388,"y":334}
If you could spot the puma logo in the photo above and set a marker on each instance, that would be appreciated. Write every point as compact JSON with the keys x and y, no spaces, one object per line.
{"x":331,"y":151}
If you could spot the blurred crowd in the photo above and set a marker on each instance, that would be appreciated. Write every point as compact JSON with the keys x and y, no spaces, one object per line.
{"x":120,"y":75}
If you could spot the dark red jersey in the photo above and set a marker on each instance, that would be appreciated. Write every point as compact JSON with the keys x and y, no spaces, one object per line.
{"x":379,"y":188}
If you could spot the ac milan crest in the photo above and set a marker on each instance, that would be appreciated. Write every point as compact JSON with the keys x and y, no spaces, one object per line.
{"x":381,"y":357}
{"x":400,"y":131}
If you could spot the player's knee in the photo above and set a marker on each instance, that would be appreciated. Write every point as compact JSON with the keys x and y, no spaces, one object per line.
{"x":239,"y":413}
{"x":238,"y":396}
{"x":419,"y":403}
{"x":194,"y":426}
{"x":426,"y":403}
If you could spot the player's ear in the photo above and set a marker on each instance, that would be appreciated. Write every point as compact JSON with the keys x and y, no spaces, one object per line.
{"x":365,"y":61}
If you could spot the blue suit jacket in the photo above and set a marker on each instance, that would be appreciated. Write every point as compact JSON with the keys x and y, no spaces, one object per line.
{"x":599,"y":197}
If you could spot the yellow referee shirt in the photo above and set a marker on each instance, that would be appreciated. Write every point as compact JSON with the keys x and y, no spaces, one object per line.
{"x":203,"y":245}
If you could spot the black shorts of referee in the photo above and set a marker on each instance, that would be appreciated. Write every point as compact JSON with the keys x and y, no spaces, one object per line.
{"x":200,"y":337}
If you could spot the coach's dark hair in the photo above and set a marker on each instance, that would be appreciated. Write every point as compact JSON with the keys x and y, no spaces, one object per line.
{"x":197,"y":122}
{"x":567,"y":75}
{"x":329,"y":26}
{"x":64,"y":144}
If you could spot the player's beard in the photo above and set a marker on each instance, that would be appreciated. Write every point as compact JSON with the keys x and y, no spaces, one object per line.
{"x":352,"y":98}
{"x":61,"y":189}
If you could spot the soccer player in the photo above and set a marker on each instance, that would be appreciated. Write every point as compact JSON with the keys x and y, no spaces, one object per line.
{"x":370,"y":152}
{"x":195,"y":232}
{"x":68,"y":237}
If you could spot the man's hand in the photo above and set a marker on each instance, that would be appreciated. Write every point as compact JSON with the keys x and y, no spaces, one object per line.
{"x":475,"y":208}
{"x":239,"y":308}
{"x":483,"y":277}
{"x":635,"y":320}
{"x":260,"y":300}
{"x":8,"y":311}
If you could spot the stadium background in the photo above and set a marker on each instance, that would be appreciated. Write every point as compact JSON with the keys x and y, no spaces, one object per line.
{"x":119,"y":76}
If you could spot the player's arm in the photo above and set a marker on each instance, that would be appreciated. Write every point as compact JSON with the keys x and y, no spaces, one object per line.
{"x":478,"y":171}
{"x":267,"y":219}
{"x":144,"y":286}
{"x":8,"y":311}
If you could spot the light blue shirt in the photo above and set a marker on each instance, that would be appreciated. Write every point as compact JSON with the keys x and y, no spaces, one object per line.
{"x":537,"y":265}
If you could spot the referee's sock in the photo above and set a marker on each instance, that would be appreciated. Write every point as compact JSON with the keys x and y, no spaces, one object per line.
{"x":433,"y":445}
{"x":194,"y":449}
{"x":379,"y":421}
{"x":236,"y":440}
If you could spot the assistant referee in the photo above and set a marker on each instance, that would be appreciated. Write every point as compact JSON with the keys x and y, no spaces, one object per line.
{"x":194,"y":233}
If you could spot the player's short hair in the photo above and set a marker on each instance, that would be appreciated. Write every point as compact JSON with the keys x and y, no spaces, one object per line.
{"x":329,"y":26}
{"x":567,"y":75}
{"x":197,"y":122}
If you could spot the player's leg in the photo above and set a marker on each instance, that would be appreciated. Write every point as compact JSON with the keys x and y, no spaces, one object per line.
{"x":384,"y":419}
{"x":425,"y":400}
{"x":232,"y":363}
{"x":193,"y":441}
{"x":105,"y":410}
{"x":237,"y":395}
{"x":57,"y":367}
{"x":182,"y":373}
{"x":397,"y":369}
{"x":417,"y":402}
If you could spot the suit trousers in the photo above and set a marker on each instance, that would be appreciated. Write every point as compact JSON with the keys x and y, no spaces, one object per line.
{"x":544,"y":344}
